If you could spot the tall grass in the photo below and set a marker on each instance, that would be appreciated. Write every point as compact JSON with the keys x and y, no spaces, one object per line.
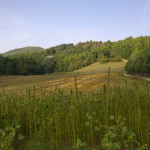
{"x":59,"y":119}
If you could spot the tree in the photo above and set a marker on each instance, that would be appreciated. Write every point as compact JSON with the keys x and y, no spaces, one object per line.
{"x":2,"y":65}
{"x":49,"y":64}
{"x":9,"y":67}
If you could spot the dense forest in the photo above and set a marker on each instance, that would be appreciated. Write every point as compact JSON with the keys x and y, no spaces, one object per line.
{"x":139,"y":62}
{"x":70,"y":57}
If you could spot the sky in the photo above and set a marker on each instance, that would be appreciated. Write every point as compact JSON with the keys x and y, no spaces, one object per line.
{"x":47,"y":23}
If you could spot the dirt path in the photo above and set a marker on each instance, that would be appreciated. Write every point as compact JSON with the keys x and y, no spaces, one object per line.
{"x":144,"y":78}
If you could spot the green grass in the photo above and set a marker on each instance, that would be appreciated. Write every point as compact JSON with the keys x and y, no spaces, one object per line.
{"x":117,"y":67}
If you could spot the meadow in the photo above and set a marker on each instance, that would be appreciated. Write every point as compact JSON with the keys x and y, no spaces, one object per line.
{"x":94,"y":75}
{"x":94,"y":108}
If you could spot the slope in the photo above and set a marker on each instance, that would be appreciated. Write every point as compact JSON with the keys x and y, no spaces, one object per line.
{"x":23,"y":50}
{"x":116,"y":67}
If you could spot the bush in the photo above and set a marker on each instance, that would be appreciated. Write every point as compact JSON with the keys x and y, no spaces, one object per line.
{"x":115,"y":59}
{"x":104,"y":60}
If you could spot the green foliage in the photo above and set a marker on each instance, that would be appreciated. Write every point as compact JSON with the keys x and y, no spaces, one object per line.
{"x":139,"y":63}
{"x":104,"y":60}
{"x":79,"y":145}
{"x":49,"y":64}
{"x":52,"y":119}
{"x":69,"y":57}
{"x":51,"y":51}
{"x":2,"y":65}
{"x":118,"y":136}
{"x":9,"y":136}
{"x":115,"y":59}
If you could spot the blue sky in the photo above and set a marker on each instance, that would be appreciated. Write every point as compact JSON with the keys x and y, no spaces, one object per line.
{"x":47,"y":23}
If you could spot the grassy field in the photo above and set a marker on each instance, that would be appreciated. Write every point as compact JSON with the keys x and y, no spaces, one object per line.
{"x":93,"y":108}
{"x":91,"y":77}
{"x":103,"y":68}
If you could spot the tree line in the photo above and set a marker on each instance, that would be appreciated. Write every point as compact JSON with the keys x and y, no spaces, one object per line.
{"x":70,"y":57}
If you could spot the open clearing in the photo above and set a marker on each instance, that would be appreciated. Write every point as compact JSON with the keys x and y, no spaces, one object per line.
{"x":91,"y":77}
{"x":103,"y":68}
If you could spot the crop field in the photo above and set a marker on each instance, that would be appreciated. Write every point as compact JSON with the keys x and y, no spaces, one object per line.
{"x":94,"y":108}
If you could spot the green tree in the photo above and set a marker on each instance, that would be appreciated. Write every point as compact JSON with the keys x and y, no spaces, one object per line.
{"x":49,"y":64}
{"x":2,"y":65}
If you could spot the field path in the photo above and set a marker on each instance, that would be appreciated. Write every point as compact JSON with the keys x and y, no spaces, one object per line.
{"x":144,"y":78}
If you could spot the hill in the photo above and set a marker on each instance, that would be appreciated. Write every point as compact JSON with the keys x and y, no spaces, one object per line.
{"x":23,"y":50}
{"x":70,"y":57}
{"x":115,"y":67}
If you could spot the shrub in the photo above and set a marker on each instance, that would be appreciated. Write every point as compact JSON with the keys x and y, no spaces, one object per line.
{"x":115,"y":59}
{"x":104,"y":60}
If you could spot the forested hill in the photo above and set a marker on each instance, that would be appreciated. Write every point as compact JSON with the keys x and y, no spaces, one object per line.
{"x":70,"y":57}
{"x":23,"y":50}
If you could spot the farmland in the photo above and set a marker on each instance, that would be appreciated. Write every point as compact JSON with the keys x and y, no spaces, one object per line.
{"x":93,"y":108}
